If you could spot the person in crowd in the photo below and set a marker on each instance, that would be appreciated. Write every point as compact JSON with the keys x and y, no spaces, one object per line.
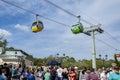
{"x":87,"y":73}
{"x":53,"y":73}
{"x":82,"y":75}
{"x":111,"y":69}
{"x":102,"y":74}
{"x":72,"y":74}
{"x":20,"y":68}
{"x":1,"y":66}
{"x":65,"y":74}
{"x":24,"y":75}
{"x":47,"y":75}
{"x":92,"y":75}
{"x":3,"y":76}
{"x":31,"y":76}
{"x":77,"y":72}
{"x":5,"y":67}
{"x":40,"y":74}
{"x":15,"y":73}
{"x":59,"y":73}
{"x":115,"y":75}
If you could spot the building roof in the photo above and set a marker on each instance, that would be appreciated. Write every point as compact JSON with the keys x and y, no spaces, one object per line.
{"x":20,"y":51}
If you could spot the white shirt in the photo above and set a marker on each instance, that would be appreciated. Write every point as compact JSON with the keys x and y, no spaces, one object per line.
{"x":59,"y":72}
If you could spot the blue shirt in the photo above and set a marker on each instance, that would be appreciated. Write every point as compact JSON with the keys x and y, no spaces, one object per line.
{"x":31,"y":77}
{"x":3,"y":77}
{"x":114,"y":76}
{"x":25,"y":75}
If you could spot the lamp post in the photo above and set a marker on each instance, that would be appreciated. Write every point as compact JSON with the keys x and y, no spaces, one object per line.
{"x":57,"y":55}
{"x":64,"y":57}
{"x":105,"y":57}
{"x":60,"y":58}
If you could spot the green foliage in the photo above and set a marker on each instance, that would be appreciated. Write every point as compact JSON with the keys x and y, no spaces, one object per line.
{"x":3,"y":43}
{"x":37,"y":62}
{"x":103,"y":63}
{"x":10,"y":48}
{"x":67,"y":61}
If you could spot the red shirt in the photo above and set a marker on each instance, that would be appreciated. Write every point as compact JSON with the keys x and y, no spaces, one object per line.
{"x":72,"y":75}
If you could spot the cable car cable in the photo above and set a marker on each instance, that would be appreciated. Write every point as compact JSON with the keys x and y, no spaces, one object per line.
{"x":34,"y":13}
{"x":67,"y":11}
{"x":18,"y":6}
{"x":55,"y":21}
{"x":61,"y":8}
{"x":112,"y":37}
{"x":107,"y":44}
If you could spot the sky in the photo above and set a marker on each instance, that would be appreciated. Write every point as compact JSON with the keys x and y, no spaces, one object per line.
{"x":15,"y":26}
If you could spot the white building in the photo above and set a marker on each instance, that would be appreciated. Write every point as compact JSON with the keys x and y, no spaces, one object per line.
{"x":15,"y":57}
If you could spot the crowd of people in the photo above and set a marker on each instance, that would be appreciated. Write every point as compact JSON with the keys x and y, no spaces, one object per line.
{"x":17,"y":72}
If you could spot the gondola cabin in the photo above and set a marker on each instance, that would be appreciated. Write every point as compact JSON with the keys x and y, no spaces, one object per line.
{"x":37,"y":26}
{"x":78,"y":28}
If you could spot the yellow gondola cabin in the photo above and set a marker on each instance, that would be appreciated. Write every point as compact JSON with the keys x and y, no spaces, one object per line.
{"x":37,"y":26}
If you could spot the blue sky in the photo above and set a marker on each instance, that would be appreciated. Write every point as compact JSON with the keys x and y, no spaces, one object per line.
{"x":15,"y":26}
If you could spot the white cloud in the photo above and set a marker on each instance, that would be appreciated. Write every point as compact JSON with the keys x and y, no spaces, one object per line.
{"x":22,"y":27}
{"x":4,"y":33}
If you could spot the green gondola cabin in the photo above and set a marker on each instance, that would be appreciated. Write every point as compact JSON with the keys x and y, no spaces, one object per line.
{"x":78,"y":28}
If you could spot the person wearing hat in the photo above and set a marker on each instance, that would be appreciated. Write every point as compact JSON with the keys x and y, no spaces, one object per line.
{"x":115,"y":75}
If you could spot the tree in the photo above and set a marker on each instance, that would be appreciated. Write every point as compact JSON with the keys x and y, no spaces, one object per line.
{"x":71,"y":62}
{"x":10,"y":48}
{"x":37,"y":61}
{"x":3,"y":43}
